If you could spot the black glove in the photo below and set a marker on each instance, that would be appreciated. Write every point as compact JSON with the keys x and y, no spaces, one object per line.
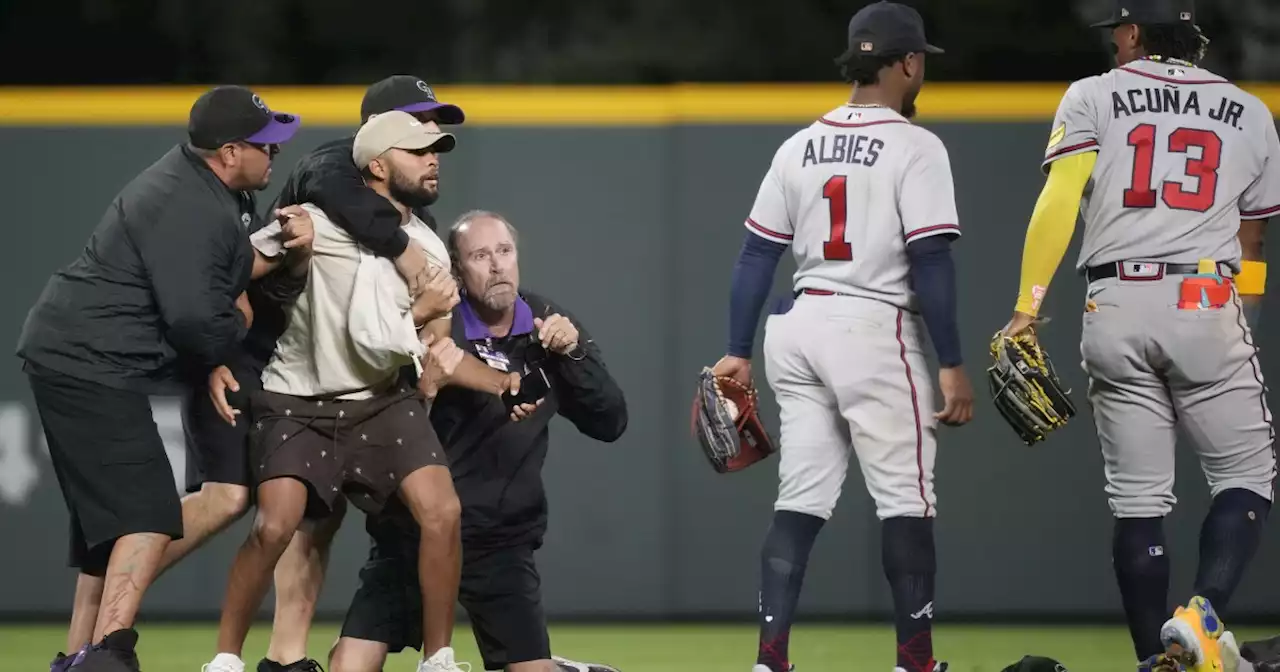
{"x":1025,"y":387}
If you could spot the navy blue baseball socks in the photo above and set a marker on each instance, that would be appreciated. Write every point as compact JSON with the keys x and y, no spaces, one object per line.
{"x":1229,"y":539}
{"x":910,"y":566}
{"x":782,"y":565}
{"x":1142,"y":571}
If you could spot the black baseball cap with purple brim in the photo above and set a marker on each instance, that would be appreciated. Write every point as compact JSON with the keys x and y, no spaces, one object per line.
{"x":407,"y":94}
{"x":235,"y":114}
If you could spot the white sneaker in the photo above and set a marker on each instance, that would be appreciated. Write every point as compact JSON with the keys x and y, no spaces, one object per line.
{"x":224,"y":662}
{"x":441,"y":661}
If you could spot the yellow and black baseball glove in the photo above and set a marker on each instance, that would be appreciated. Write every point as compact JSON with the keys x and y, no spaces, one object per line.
{"x":726,"y":423}
{"x":1025,"y":388}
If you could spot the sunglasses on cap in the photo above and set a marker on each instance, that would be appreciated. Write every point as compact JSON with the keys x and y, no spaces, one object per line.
{"x":270,"y":149}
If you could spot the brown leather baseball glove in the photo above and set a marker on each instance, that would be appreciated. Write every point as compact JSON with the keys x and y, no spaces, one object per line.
{"x":726,"y":423}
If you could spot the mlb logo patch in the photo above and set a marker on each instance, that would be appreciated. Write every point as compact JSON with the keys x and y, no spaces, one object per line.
{"x":1141,"y":270}
{"x":866,"y":46}
{"x":1185,"y":16}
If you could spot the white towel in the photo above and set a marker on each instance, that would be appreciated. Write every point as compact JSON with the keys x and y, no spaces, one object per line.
{"x":267,"y":240}
{"x":379,"y":319}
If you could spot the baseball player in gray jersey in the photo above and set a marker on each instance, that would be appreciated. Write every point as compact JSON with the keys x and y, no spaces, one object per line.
{"x":864,"y":200}
{"x":1164,"y":160}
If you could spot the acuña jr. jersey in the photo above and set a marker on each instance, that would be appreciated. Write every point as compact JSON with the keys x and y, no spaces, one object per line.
{"x":848,"y":193}
{"x":1183,"y":156}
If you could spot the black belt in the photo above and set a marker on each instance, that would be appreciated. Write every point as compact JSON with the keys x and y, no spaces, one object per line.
{"x":1148,"y":270}
{"x":817,"y":292}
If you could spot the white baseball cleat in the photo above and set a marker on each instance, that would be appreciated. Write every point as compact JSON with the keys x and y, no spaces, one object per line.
{"x":442,"y":661}
{"x":1231,"y":658}
{"x":224,"y":662}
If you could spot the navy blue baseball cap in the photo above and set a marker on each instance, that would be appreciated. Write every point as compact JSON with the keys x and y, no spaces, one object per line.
{"x":235,"y":114}
{"x":1150,"y":13}
{"x":407,"y":94}
{"x":887,"y":28}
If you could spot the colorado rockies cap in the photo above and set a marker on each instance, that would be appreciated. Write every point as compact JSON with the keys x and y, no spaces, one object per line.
{"x":885,"y":28}
{"x":1150,"y":13}
{"x":233,"y":113}
{"x":407,"y":94}
{"x":397,"y":130}
{"x":1036,"y":664}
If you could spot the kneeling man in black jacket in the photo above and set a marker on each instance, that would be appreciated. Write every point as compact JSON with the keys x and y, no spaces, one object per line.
{"x":496,"y":447}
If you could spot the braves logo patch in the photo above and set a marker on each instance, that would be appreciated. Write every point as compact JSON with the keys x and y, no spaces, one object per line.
{"x":1058,"y":135}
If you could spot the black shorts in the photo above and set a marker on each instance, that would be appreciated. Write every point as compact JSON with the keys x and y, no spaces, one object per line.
{"x":110,"y":462}
{"x":500,"y":591}
{"x":218,"y":452}
{"x":362,"y":449}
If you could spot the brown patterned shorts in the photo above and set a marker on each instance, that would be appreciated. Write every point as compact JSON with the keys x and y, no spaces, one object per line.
{"x":362,"y":449}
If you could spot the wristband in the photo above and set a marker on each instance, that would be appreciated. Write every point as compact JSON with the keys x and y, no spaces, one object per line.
{"x":1252,"y":280}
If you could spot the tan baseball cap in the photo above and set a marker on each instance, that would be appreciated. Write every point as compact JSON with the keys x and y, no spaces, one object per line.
{"x":397,"y":130}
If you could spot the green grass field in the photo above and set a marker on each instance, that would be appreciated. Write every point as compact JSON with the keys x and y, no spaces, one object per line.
{"x":658,"y":648}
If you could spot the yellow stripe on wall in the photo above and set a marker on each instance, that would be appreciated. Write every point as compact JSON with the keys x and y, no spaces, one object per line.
{"x":550,"y":105}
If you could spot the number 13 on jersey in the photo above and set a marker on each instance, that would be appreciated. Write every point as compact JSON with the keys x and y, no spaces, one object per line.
{"x":1142,"y":194}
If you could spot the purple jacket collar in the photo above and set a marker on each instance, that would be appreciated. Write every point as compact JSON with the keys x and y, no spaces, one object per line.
{"x":477,"y":330}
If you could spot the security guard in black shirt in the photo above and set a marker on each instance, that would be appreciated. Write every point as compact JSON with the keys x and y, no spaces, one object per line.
{"x":149,"y":307}
{"x":496,"y":448}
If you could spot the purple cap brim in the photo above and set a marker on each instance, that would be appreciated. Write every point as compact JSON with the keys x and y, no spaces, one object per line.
{"x":449,"y":114}
{"x":279,"y":130}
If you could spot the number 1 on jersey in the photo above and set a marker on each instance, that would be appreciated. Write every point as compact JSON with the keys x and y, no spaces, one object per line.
{"x":836,"y":248}
{"x":1205,"y":169}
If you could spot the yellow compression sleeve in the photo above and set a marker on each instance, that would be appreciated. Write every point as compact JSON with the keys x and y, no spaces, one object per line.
{"x":1053,"y":222}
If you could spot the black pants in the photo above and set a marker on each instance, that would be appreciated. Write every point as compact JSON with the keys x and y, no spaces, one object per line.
{"x":110,"y":463}
{"x":500,"y":591}
{"x":216,"y":451}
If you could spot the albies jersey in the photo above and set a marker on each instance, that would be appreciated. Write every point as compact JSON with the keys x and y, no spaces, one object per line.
{"x":1183,"y":156}
{"x":848,"y":193}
